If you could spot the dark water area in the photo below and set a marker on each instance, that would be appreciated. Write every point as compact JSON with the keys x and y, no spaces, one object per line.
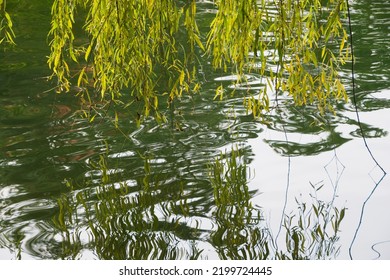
{"x":44,"y":144}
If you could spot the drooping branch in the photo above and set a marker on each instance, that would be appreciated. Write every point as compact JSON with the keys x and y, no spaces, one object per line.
{"x":306,"y":39}
{"x":7,"y":34}
{"x":141,"y":50}
{"x":132,"y":46}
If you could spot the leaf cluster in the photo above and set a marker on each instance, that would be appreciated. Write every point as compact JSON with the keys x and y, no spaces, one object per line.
{"x":149,"y":49}
{"x":131,"y":47}
{"x":7,"y":34}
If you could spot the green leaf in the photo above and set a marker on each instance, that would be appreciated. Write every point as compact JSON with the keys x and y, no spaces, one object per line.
{"x":88,"y":51}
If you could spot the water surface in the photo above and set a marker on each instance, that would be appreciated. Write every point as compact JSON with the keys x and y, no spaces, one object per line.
{"x":43,"y":144}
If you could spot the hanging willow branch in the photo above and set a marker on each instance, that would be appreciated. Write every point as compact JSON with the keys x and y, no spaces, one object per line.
{"x":7,"y":34}
{"x":307,"y":39}
{"x":132,"y":46}
{"x":140,"y":50}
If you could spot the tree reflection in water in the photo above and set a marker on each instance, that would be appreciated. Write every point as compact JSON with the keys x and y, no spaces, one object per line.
{"x":116,"y":221}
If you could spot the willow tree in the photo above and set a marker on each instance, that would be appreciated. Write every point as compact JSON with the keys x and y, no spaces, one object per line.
{"x":145,"y":52}
{"x":304,"y":39}
{"x":6,"y":33}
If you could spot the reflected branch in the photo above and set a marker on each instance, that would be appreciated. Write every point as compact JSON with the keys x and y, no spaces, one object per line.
{"x":354,"y":89}
{"x":116,"y":221}
{"x":286,"y":192}
{"x":362,"y":215}
{"x":376,"y":251}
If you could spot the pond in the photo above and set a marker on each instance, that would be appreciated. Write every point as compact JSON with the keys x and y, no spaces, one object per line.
{"x":78,"y":190}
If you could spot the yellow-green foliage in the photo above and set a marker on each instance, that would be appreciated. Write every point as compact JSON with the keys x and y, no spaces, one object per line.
{"x":132,"y":46}
{"x":6,"y":33}
{"x":137,"y":51}
{"x":306,"y":37}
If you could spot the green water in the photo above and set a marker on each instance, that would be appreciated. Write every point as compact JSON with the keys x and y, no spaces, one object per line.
{"x":43,"y":144}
